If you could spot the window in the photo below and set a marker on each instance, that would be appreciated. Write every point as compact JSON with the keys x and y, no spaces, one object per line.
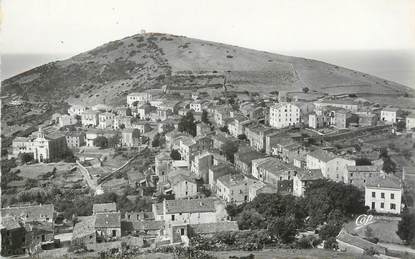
{"x":382,"y":205}
{"x":392,"y":196}
{"x":382,"y":195}
{"x":114,"y":233}
{"x":373,"y":194}
{"x":393,"y":206}
{"x":172,"y":217}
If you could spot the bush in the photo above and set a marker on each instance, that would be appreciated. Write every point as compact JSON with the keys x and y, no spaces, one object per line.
{"x":370,"y":251}
{"x":331,"y":244}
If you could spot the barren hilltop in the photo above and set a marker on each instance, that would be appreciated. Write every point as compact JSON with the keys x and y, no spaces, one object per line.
{"x":111,"y":71}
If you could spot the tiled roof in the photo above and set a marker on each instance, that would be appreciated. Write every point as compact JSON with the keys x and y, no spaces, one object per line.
{"x":384,"y":181}
{"x":232,"y":179}
{"x":358,"y":241}
{"x":322,"y":155}
{"x":148,"y":224}
{"x":240,"y":117}
{"x":108,"y":220}
{"x":180,"y":178}
{"x":190,"y":206}
{"x":10,"y":223}
{"x":309,"y":175}
{"x":211,"y":228}
{"x":276,"y":166}
{"x":362,"y":168}
{"x":390,"y":109}
{"x":84,"y":228}
{"x":104,"y":207}
{"x":30,"y":213}
{"x":247,"y":157}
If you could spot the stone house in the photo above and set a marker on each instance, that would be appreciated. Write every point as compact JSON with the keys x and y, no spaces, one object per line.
{"x":108,"y":225}
{"x":75,"y":139}
{"x":332,"y":166}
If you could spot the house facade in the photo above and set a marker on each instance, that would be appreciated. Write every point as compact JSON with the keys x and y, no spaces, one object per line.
{"x":384,"y":194}
{"x":284,"y":114}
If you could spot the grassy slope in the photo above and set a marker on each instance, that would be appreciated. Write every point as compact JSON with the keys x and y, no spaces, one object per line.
{"x":110,"y":71}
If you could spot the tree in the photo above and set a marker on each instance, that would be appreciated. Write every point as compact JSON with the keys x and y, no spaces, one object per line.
{"x":156,"y":140}
{"x":388,"y":165}
{"x":224,"y":129}
{"x":114,"y":141}
{"x":306,"y":90}
{"x":175,"y":155}
{"x":283,"y":229}
{"x":324,"y":197}
{"x":205,"y":118}
{"x":187,"y":124}
{"x":230,"y":148}
{"x":242,"y":137}
{"x":251,"y":219}
{"x":329,"y":230}
{"x":122,"y":126}
{"x":363,"y":161}
{"x":26,"y":157}
{"x":401,"y":125}
{"x":406,"y":227}
{"x":101,"y":142}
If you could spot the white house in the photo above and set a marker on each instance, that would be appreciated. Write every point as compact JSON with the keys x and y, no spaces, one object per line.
{"x":383,"y":194}
{"x":76,"y":110}
{"x":410,"y":121}
{"x":138,"y":97}
{"x":389,"y":115}
{"x":106,"y":120}
{"x":332,"y":166}
{"x":90,"y":118}
{"x":303,"y":178}
{"x":284,"y":114}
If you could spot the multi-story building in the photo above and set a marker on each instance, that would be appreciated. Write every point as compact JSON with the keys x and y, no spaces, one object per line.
{"x":178,"y":214}
{"x":361,"y":174}
{"x":76,"y":110}
{"x":108,"y":225}
{"x":344,"y":104}
{"x":200,"y":165}
{"x":90,"y":118}
{"x":142,"y":97}
{"x":238,"y":124}
{"x":217,"y":171}
{"x":272,"y":170}
{"x":317,"y":120}
{"x":220,"y":115}
{"x":130,"y":138}
{"x":284,"y":114}
{"x":234,"y":188}
{"x":410,"y":121}
{"x":259,"y":187}
{"x":332,"y":166}
{"x":43,"y":147}
{"x":183,"y":186}
{"x":75,"y":139}
{"x":106,"y":120}
{"x":389,"y":115}
{"x":243,"y":160}
{"x":189,"y":147}
{"x":66,"y":120}
{"x":303,"y":179}
{"x":197,"y":105}
{"x":256,"y":134}
{"x":383,"y":194}
{"x":122,"y":121}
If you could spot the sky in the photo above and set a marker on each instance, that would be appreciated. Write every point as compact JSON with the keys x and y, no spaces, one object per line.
{"x":74,"y":26}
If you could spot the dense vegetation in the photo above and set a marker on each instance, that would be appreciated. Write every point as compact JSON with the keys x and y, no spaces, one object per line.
{"x":326,"y":205}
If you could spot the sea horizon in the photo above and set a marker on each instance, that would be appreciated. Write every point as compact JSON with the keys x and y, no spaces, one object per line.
{"x":393,"y":65}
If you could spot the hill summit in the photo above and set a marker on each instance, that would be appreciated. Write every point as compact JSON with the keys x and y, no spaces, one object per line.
{"x":111,"y":71}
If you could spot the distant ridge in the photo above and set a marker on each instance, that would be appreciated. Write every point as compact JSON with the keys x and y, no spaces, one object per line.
{"x":109,"y":72}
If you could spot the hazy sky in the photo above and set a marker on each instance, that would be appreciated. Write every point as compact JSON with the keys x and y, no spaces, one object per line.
{"x":73,"y":26}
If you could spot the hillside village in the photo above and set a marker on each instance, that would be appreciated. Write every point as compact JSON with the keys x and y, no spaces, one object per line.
{"x":198,"y":171}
